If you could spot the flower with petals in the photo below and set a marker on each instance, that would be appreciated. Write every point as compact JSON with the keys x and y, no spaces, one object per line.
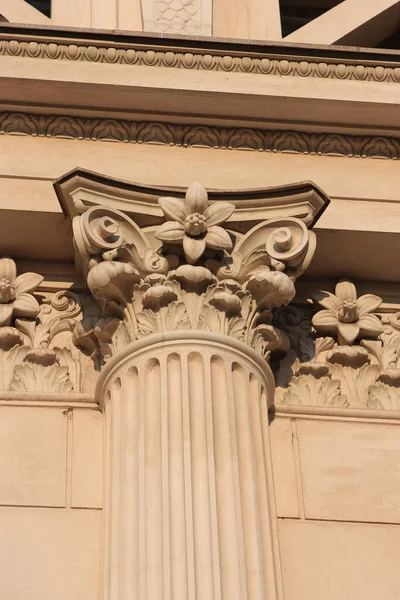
{"x":194,"y":222}
{"x":346,"y":315}
{"x":16,"y":293}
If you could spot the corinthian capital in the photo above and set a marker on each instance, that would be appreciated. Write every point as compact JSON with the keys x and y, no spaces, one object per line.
{"x":159,"y":262}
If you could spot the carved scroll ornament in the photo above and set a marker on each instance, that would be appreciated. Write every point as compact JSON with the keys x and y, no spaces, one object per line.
{"x":201,"y":276}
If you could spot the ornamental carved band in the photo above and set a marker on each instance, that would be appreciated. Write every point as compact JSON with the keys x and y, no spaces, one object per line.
{"x":195,"y":271}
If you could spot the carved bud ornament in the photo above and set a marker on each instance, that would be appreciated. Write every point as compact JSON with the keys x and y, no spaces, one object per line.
{"x":203,"y":276}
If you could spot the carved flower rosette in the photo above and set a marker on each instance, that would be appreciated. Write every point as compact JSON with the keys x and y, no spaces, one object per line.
{"x":191,"y":272}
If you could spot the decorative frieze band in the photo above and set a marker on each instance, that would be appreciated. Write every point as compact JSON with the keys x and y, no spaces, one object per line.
{"x":152,"y":132}
{"x":201,"y":268}
{"x":262,"y":64}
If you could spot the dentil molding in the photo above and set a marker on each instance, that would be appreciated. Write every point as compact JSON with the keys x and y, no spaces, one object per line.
{"x":201,"y":136}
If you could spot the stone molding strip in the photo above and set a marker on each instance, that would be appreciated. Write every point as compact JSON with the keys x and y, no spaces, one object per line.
{"x":200,"y":136}
{"x":262,"y":63}
{"x":328,"y":411}
{"x":48,"y":398}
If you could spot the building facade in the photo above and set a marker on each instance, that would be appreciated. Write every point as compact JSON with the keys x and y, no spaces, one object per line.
{"x":199,"y":300}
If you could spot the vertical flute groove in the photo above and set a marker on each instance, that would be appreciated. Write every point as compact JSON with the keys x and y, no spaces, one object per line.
{"x":165,"y":477}
{"x":248,"y":486}
{"x":260,"y":422}
{"x":153,"y":481}
{"x":109,"y":522}
{"x":203,"y":551}
{"x":212,"y":476}
{"x":231,"y":584}
{"x":187,"y":484}
{"x":129,"y":474}
{"x":236,"y":433}
{"x":177,"y":517}
{"x":142,"y":485}
{"x":115,"y":491}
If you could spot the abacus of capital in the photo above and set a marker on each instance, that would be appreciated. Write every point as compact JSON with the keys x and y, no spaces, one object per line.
{"x":184,"y":337}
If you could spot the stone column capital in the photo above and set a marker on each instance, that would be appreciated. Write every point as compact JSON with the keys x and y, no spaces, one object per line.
{"x":188,"y":260}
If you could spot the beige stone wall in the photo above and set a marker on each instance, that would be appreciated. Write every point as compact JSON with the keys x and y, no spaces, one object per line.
{"x":50,"y":502}
{"x":337,"y":479}
{"x":337,"y":482}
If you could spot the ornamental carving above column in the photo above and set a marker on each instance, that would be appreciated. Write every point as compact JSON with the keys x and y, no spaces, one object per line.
{"x":348,"y":354}
{"x":156,"y":260}
{"x":202,"y":276}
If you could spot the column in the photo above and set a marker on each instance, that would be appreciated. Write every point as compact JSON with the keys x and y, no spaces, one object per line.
{"x":184,"y":336}
{"x":187,"y":501}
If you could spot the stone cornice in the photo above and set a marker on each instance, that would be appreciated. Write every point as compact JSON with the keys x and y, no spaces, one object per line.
{"x":200,"y":54}
{"x":202,"y":136}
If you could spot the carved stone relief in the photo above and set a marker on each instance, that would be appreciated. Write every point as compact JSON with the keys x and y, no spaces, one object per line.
{"x":202,"y":277}
{"x":200,"y":267}
{"x":30,"y":359}
{"x":355,"y":358}
{"x":191,"y":17}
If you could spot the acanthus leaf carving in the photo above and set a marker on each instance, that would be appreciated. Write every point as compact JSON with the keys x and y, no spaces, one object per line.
{"x":203,"y":275}
{"x":362,"y":357}
{"x":28,"y":362}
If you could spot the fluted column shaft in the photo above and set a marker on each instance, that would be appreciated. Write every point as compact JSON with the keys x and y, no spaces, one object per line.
{"x":188,"y":498}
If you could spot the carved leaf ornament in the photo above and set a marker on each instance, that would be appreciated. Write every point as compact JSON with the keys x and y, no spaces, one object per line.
{"x":360,"y":361}
{"x":347,"y":316}
{"x":203,"y":276}
{"x":27,"y":363}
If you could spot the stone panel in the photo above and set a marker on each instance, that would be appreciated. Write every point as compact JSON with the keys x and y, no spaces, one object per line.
{"x":33,"y":448}
{"x":50,"y":554}
{"x":339,"y":561}
{"x":350,"y":470}
{"x":87,"y":454}
{"x":284,"y":467}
